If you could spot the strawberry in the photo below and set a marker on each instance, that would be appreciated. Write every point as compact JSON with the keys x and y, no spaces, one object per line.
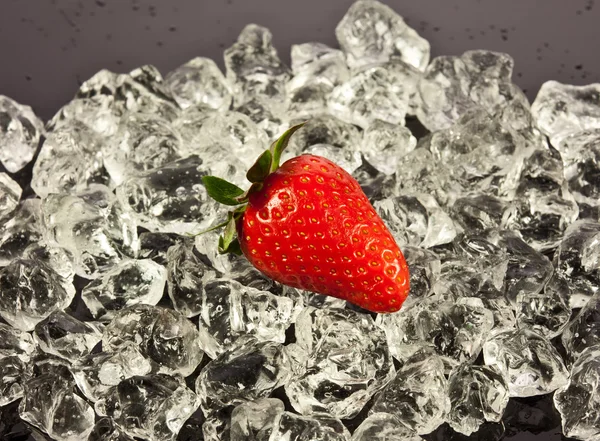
{"x":308,"y":224}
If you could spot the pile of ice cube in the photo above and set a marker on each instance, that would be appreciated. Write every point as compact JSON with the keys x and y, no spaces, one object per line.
{"x":118,"y":322}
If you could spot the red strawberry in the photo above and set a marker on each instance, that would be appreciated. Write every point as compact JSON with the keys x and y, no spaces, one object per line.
{"x":308,"y":224}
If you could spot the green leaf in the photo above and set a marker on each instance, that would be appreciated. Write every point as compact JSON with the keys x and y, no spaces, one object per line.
{"x":222,"y":191}
{"x":261,"y":168}
{"x":279,"y":146}
{"x":228,"y":241}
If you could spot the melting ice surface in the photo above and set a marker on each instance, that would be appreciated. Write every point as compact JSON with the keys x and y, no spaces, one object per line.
{"x":116,"y":323}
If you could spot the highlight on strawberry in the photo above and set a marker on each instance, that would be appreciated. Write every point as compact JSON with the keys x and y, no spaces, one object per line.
{"x":308,"y":224}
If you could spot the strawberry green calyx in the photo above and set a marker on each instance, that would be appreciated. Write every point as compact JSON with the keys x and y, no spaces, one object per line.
{"x":230,"y":194}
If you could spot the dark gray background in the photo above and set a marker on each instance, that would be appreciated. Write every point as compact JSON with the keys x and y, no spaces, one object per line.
{"x":47,"y":47}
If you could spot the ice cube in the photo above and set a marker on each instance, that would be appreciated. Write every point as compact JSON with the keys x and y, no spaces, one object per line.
{"x":545,"y":312}
{"x":317,"y":70}
{"x":543,"y":207}
{"x":562,"y":109}
{"x":106,"y":430}
{"x":20,"y":131}
{"x":577,"y":260}
{"x":477,"y":211}
{"x":106,"y":97}
{"x":348,"y":362}
{"x":71,"y":159}
{"x":528,"y":361}
{"x":152,"y":407}
{"x":12,"y":376}
{"x":186,"y":276}
{"x":248,"y":371}
{"x":584,"y":330}
{"x":230,"y":310}
{"x":128,"y":283}
{"x":577,"y":401}
{"x":424,"y":268}
{"x":31,"y":291}
{"x":477,"y":81}
{"x":23,"y":228}
{"x":50,"y":403}
{"x":370,"y":95}
{"x":10,"y":194}
{"x":455,"y":328}
{"x":372,"y":32}
{"x":383,"y":427}
{"x":321,"y":426}
{"x":164,"y":336}
{"x":96,"y":373}
{"x":199,"y":83}
{"x":418,"y":394}
{"x":383,"y":144}
{"x":14,"y":342}
{"x":253,"y":67}
{"x":93,"y":226}
{"x":142,"y":142}
{"x":477,"y":394}
{"x":253,"y":421}
{"x":64,"y":336}
{"x":416,"y":220}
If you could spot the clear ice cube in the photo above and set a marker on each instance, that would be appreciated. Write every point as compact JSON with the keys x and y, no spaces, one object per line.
{"x":584,"y":330}
{"x":383,"y":427}
{"x":562,"y":109}
{"x":163,"y":336}
{"x":71,"y":159}
{"x":528,"y":362}
{"x":477,"y":81}
{"x":317,"y":70}
{"x":171,"y":198}
{"x":369,"y":95}
{"x":23,"y":228}
{"x":348,"y":362}
{"x":577,"y":259}
{"x":93,"y":226}
{"x":51,"y":404}
{"x":230,"y":310}
{"x":384,"y":143}
{"x":416,"y":220}
{"x":186,"y":276}
{"x":372,"y":32}
{"x":129,"y":282}
{"x":14,"y":342}
{"x":253,"y":421}
{"x":199,"y":83}
{"x":20,"y":131}
{"x":64,"y":336}
{"x":106,"y":430}
{"x":578,"y":401}
{"x":142,"y":142}
{"x":455,"y":328}
{"x":248,"y":371}
{"x":418,"y":394}
{"x":106,"y":97}
{"x":152,"y":407}
{"x":477,"y":394}
{"x":253,"y":67}
{"x":31,"y":291}
{"x":10,"y":194}
{"x":96,"y":373}
{"x":321,"y":426}
{"x":12,"y":376}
